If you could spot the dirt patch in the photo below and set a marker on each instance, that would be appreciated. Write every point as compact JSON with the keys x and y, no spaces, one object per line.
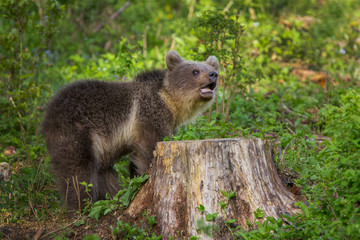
{"x":72,"y":226}
{"x":287,"y":179}
{"x":19,"y":231}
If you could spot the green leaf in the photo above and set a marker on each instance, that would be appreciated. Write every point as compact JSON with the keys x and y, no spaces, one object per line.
{"x":249,"y":223}
{"x":210,"y":217}
{"x":258,"y":213}
{"x":152,"y":220}
{"x":95,"y":212}
{"x":194,"y":237}
{"x":91,"y":237}
{"x":232,"y":194}
{"x":231,"y":221}
{"x":201,"y":208}
{"x":261,"y":228}
{"x":223,"y":205}
{"x":242,"y":234}
{"x":271,"y":219}
{"x":79,"y":223}
{"x":304,"y":209}
{"x":107,"y":211}
{"x":224,"y":193}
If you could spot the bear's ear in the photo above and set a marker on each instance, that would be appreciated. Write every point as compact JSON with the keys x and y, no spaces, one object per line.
{"x":173,"y":59}
{"x":212,"y":61}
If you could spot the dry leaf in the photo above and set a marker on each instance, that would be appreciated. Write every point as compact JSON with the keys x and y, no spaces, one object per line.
{"x":10,"y":151}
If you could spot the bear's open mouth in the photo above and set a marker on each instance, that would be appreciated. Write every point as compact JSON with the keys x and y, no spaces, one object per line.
{"x":208,"y":90}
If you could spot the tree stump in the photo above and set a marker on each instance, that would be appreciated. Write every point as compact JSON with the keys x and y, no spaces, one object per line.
{"x":185,"y":174}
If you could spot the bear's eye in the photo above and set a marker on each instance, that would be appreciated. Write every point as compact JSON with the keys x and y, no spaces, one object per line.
{"x":195,"y":72}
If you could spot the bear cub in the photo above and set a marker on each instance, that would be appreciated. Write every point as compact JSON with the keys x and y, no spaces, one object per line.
{"x":90,"y":124}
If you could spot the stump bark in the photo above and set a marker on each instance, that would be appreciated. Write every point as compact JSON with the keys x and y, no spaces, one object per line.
{"x":186,"y":174}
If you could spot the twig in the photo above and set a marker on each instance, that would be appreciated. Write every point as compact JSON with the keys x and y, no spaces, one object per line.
{"x":19,"y":120}
{"x":145,"y":42}
{"x":39,"y":233}
{"x":120,"y":10}
{"x":284,"y":152}
{"x":228,"y":6}
{"x":77,"y":190}
{"x":54,"y":231}
{"x":67,"y":190}
{"x":287,"y":110}
{"x":32,"y":208}
{"x":173,"y":42}
{"x":191,"y":9}
{"x":290,"y":128}
{"x":47,"y":209}
{"x":81,"y":24}
{"x":113,"y":16}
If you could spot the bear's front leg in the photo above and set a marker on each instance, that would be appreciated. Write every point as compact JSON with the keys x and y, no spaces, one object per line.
{"x":143,"y":151}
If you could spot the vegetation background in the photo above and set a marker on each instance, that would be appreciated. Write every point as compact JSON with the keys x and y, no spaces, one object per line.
{"x":290,"y":72}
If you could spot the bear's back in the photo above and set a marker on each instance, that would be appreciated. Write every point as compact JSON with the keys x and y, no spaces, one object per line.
{"x":154,"y":78}
{"x":89,"y":103}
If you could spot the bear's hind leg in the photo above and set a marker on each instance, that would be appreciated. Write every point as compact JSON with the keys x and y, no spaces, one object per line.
{"x":69,"y":184}
{"x":107,"y":183}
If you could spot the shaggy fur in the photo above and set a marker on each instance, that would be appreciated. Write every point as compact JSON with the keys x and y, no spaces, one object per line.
{"x":90,"y":124}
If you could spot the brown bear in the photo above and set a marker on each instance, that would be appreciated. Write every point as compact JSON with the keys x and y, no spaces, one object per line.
{"x":90,"y":124}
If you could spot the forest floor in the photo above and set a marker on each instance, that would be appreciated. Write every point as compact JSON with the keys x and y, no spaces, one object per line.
{"x":71,"y":225}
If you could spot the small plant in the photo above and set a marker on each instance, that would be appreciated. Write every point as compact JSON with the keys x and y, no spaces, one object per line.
{"x":27,"y":194}
{"x":151,"y":220}
{"x":208,"y":228}
{"x":220,"y":33}
{"x":203,"y":129}
{"x":194,"y":237}
{"x":87,"y":200}
{"x":268,"y":228}
{"x":121,"y":199}
{"x":91,"y":237}
{"x":127,"y":231}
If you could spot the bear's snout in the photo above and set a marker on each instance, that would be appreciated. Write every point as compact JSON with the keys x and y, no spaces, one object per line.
{"x":213,"y":76}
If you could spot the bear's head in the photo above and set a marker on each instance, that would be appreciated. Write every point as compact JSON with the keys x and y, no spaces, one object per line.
{"x":195,"y":79}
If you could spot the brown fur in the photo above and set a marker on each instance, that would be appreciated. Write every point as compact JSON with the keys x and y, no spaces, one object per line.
{"x":90,"y":124}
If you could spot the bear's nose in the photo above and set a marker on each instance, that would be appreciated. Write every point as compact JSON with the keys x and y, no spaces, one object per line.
{"x":213,"y":76}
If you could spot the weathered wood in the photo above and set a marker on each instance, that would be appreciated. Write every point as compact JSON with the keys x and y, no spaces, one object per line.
{"x":5,"y":171}
{"x":186,"y":174}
